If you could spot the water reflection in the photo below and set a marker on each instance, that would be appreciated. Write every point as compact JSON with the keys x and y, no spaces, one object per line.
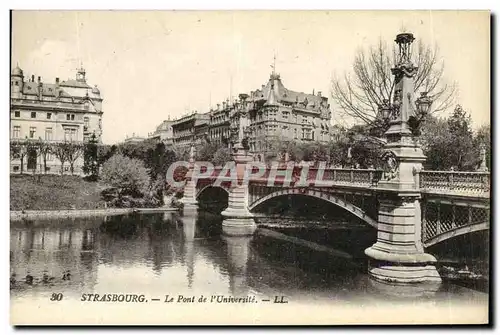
{"x":158,"y":254}
{"x":238,"y":251}
{"x":48,"y":257}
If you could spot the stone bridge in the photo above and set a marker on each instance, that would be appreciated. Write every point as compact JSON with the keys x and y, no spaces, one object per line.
{"x":451,"y":203}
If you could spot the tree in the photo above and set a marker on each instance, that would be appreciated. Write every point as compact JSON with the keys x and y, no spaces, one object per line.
{"x":435,"y":140}
{"x":60,"y":152}
{"x":105,"y":152}
{"x":90,"y":161}
{"x":73,"y":152}
{"x":450,"y":143}
{"x":359,"y":94}
{"x":127,"y":175}
{"x":366,"y":153}
{"x":465,"y":154}
{"x":18,"y":151}
{"x":45,"y":149}
{"x":206,"y":151}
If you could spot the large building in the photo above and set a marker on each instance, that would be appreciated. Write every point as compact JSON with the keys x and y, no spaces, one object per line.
{"x":277,"y":112}
{"x":190,"y":129}
{"x":52,"y":112}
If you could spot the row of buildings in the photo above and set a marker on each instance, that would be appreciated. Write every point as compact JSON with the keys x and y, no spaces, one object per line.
{"x":71,"y":110}
{"x":273,"y":111}
{"x":52,"y":112}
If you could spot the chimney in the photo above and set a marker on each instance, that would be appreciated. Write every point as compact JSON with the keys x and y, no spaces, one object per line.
{"x":218,"y":105}
{"x":57,"y":81}
{"x":39,"y":79}
{"x":32,"y":78}
{"x":319,"y":93}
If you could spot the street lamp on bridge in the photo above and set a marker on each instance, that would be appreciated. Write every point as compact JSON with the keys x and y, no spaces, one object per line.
{"x":398,"y":255}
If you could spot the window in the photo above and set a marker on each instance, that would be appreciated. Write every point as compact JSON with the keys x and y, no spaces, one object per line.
{"x":16,"y":83}
{"x":33,"y":115}
{"x":70,"y":134}
{"x":68,"y":117}
{"x":32,"y":132}
{"x":50,"y":157}
{"x":16,"y":168}
{"x":17,"y":132}
{"x":72,"y":116}
{"x":49,"y":116}
{"x":48,"y":134}
{"x":85,"y":123}
{"x":85,"y":138}
{"x":17,"y":114}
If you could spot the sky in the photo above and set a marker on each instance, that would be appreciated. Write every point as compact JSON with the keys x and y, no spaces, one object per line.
{"x":151,"y":65}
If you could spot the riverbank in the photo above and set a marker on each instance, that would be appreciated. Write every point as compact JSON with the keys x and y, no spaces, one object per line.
{"x":66,"y":214}
{"x":82,"y":213}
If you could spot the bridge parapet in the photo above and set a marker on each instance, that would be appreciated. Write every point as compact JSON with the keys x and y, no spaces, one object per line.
{"x":319,"y":176}
{"x":455,"y":182}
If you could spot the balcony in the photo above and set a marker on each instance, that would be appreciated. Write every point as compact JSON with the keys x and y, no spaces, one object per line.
{"x":48,"y":104}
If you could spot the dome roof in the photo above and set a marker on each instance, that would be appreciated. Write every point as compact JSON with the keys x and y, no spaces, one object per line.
{"x":95,"y":90}
{"x":17,"y":71}
{"x":163,"y":126}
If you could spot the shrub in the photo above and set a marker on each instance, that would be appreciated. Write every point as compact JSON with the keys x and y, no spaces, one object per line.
{"x":126,"y":175}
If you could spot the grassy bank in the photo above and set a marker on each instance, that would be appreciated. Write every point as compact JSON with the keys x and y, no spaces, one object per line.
{"x":50,"y":192}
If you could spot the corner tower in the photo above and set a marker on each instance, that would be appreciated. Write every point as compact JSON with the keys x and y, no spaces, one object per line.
{"x":16,"y":82}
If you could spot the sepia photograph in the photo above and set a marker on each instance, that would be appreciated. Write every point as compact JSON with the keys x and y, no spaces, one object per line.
{"x":250,"y":167}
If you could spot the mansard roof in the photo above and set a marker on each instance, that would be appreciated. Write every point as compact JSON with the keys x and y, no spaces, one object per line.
{"x":275,"y":92}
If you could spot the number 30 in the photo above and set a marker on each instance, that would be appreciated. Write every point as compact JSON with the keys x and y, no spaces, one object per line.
{"x":56,"y":297}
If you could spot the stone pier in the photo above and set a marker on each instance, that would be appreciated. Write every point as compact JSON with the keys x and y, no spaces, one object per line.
{"x":189,"y":197}
{"x":238,"y":221}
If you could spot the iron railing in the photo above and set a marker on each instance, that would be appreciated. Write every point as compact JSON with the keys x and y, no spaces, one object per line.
{"x":455,"y":181}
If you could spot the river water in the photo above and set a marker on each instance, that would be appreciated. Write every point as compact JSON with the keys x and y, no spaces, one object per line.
{"x":319,"y":271}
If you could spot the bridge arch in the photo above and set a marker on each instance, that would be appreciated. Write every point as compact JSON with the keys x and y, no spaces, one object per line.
{"x":205,"y":187}
{"x":457,"y":232}
{"x":356,"y":211}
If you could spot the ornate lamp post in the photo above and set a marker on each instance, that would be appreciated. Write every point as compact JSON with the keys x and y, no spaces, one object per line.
{"x":398,"y":254}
